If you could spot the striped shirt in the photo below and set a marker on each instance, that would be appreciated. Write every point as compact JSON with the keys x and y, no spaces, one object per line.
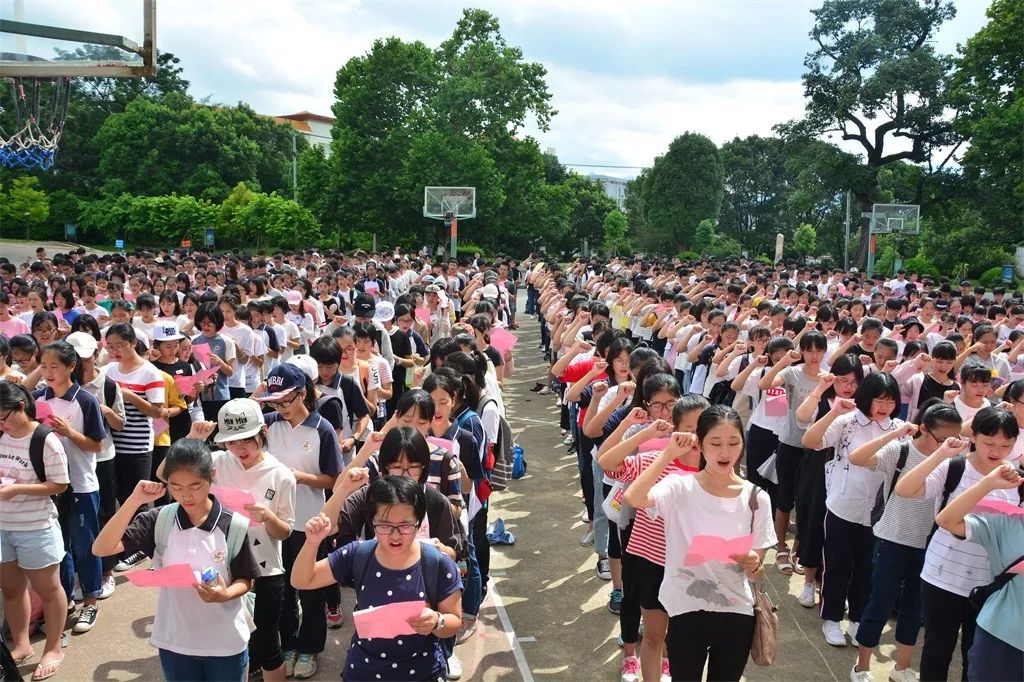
{"x":136,"y":438}
{"x":30,"y":512}
{"x":648,"y":537}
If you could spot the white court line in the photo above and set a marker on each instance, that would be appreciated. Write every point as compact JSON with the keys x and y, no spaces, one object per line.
{"x":513,"y":642}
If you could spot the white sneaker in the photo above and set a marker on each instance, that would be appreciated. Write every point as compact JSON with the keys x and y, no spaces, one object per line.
{"x":108,"y":587}
{"x":905,"y":675}
{"x":852,"y":632}
{"x":864,"y":676}
{"x":630,"y":669}
{"x":454,"y":667}
{"x":604,"y":568}
{"x":568,"y":440}
{"x":587,"y":538}
{"x":807,"y":596}
{"x":833,"y":633}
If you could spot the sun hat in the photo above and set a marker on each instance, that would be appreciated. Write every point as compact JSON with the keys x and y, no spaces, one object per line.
{"x":238,"y":419}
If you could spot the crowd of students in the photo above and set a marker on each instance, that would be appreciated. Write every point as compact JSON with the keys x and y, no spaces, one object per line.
{"x":355,"y":400}
{"x":863,"y":418}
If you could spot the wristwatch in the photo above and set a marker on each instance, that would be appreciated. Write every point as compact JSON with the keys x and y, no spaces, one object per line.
{"x":440,"y":622}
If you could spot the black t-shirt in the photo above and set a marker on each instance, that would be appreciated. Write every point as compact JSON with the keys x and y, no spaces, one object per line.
{"x":401,"y":346}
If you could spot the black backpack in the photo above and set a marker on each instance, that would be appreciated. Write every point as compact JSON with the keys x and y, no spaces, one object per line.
{"x":881,"y":499}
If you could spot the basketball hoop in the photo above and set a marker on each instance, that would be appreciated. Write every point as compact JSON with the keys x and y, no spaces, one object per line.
{"x":40,"y":107}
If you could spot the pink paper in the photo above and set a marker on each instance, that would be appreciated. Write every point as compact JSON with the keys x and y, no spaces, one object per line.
{"x":442,"y":443}
{"x":502,"y":339}
{"x":423,"y":315}
{"x":777,"y":406}
{"x":4,"y":480}
{"x":1017,"y":567}
{"x":187,"y":384}
{"x":235,"y":500}
{"x":175,"y":575}
{"x":43,"y":411}
{"x":371,"y":288}
{"x":159,"y":426}
{"x":202,"y":352}
{"x":705,"y":548}
{"x":998,"y":507}
{"x":653,"y":445}
{"x":387,"y":622}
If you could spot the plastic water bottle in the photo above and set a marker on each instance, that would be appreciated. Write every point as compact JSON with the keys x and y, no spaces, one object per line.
{"x":518,"y":461}
{"x":209,"y":575}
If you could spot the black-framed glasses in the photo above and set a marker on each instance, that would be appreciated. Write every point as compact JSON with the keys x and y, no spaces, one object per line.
{"x":411,"y":471}
{"x":4,"y":417}
{"x":663,"y":406}
{"x":386,"y":529}
{"x":284,"y":402}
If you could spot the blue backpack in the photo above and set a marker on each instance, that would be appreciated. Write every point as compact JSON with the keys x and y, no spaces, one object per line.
{"x":430,"y":562}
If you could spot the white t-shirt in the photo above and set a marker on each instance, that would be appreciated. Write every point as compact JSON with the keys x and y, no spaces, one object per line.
{"x":245,"y":341}
{"x":30,"y":512}
{"x":688,"y":511}
{"x":273,"y":485}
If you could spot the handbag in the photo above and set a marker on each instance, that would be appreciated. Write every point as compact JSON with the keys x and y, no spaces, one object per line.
{"x":765,"y":645}
{"x":980,"y":594}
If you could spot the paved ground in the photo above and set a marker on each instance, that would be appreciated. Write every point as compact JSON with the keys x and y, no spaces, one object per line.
{"x":546,"y":584}
{"x":18,"y":250}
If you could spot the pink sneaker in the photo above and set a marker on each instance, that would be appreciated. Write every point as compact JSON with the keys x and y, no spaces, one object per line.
{"x":666,"y":674}
{"x":335,"y":617}
{"x":630,"y":669}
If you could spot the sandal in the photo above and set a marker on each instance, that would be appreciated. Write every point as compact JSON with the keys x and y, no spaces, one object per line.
{"x":784,"y":561}
{"x":798,"y":567}
{"x":51,"y":666}
{"x":24,"y":659}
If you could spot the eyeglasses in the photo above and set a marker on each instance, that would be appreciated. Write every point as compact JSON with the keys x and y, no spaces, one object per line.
{"x":284,"y":402}
{"x":4,"y":417}
{"x":663,"y":406}
{"x":390,"y":529}
{"x":411,"y":471}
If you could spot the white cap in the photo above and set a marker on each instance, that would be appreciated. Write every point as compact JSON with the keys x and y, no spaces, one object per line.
{"x":239,"y":418}
{"x":166,"y":331}
{"x":83,"y":343}
{"x":307,"y":365}
{"x":385,"y":311}
{"x":489,"y":291}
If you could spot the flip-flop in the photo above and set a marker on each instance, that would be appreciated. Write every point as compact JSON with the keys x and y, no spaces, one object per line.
{"x":784,"y":562}
{"x":53,"y":666}
{"x":24,"y":659}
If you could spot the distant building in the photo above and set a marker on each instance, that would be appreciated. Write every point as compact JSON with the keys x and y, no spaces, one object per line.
{"x":613,"y":187}
{"x":316,"y":128}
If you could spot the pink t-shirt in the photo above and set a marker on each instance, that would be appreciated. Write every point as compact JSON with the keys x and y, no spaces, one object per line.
{"x":13,"y":327}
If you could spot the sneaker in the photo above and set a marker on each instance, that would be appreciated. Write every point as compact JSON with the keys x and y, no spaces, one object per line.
{"x":905,"y":675}
{"x":544,"y":391}
{"x":86,"y":619}
{"x":454,"y":667}
{"x":129,"y":561}
{"x":587,"y":538}
{"x":567,"y":441}
{"x":666,"y":673}
{"x":852,"y":632}
{"x":562,"y":430}
{"x":833,"y":633}
{"x":807,"y":596}
{"x":467,"y":630}
{"x":107,"y":587}
{"x":615,"y":601}
{"x":639,"y":636}
{"x":630,"y":669}
{"x":305,"y":666}
{"x":76,"y":591}
{"x":864,"y":676}
{"x":289,"y":663}
{"x":335,"y":618}
{"x":604,"y":568}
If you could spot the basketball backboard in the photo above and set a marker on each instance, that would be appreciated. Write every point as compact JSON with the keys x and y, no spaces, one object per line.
{"x":899,"y":219}
{"x":39,"y":40}
{"x":438,"y":201}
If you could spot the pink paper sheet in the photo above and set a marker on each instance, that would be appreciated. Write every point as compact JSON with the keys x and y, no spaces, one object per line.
{"x":159,"y":426}
{"x":387,"y":622}
{"x":1018,"y":567}
{"x":442,"y":443}
{"x":777,"y":406}
{"x":202,"y":352}
{"x":423,"y":315}
{"x":43,"y":411}
{"x":187,"y":384}
{"x":653,"y":445}
{"x":175,"y":575}
{"x":502,"y":339}
{"x":235,"y":500}
{"x":998,"y":507}
{"x":706,"y":548}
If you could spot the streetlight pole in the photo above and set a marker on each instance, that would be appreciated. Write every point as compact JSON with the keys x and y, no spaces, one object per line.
{"x":295,"y":168}
{"x":28,"y":227}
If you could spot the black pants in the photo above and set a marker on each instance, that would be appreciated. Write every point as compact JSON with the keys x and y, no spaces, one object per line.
{"x":265,"y":643}
{"x":629,"y":613}
{"x":722,"y":640}
{"x":849,"y":549}
{"x":106,"y":473}
{"x":309,"y":636}
{"x":946,"y":615}
{"x":810,"y":507}
{"x":584,"y":460}
{"x":482,"y":546}
{"x":237,"y":392}
{"x":761,"y":444}
{"x":129,"y":470}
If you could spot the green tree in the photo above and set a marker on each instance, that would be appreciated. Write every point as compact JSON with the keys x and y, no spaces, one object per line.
{"x":232,"y":230}
{"x":962,"y":238}
{"x":590,"y":206}
{"x":280,"y":222}
{"x":315,"y":186}
{"x":704,"y":236}
{"x":616,"y":233}
{"x":25,"y":207}
{"x":684,"y":187}
{"x":805,"y":240}
{"x":875,"y":76}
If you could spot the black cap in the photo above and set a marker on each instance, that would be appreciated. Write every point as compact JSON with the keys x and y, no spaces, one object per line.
{"x":364,"y":306}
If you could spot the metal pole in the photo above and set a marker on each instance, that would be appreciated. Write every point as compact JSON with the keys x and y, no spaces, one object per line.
{"x":846,"y":240}
{"x":295,"y":168}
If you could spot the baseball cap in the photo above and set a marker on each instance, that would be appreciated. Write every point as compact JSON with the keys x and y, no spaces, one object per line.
{"x":489,"y":291}
{"x":282,"y":380}
{"x":239,"y":418}
{"x":293,"y":297}
{"x":84,"y":344}
{"x":307,"y":364}
{"x":166,"y":331}
{"x":385,"y":311}
{"x":364,"y":306}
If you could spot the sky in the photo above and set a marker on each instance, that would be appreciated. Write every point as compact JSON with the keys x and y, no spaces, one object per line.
{"x":625,"y":77}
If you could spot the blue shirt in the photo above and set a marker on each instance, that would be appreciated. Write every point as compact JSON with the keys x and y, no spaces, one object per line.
{"x":1002,"y":536}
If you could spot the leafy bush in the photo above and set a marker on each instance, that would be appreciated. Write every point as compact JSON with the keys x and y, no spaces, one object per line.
{"x":993,"y":277}
{"x":921,"y":266}
{"x":963,"y":236}
{"x":764,"y":259}
{"x":884,"y":262}
{"x":468,"y":249}
{"x":688,"y":255}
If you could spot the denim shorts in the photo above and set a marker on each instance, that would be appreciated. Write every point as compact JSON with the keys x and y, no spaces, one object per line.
{"x":32,"y":549}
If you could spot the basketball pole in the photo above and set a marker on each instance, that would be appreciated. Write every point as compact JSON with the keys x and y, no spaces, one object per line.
{"x":846,"y":239}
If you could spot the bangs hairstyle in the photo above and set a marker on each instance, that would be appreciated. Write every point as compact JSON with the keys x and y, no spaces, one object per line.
{"x":973,"y":372}
{"x":944,"y":350}
{"x":813,"y":340}
{"x":405,"y":440}
{"x":687,"y":404}
{"x":993,"y":421}
{"x":417,"y":399}
{"x":387,"y":491}
{"x":877,"y":385}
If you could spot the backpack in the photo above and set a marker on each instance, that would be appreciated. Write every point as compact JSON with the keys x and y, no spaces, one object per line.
{"x":954,"y":473}
{"x":881,"y":499}
{"x":109,"y":391}
{"x":237,"y":534}
{"x":500,"y":458}
{"x":430,"y":562}
{"x":36,"y":445}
